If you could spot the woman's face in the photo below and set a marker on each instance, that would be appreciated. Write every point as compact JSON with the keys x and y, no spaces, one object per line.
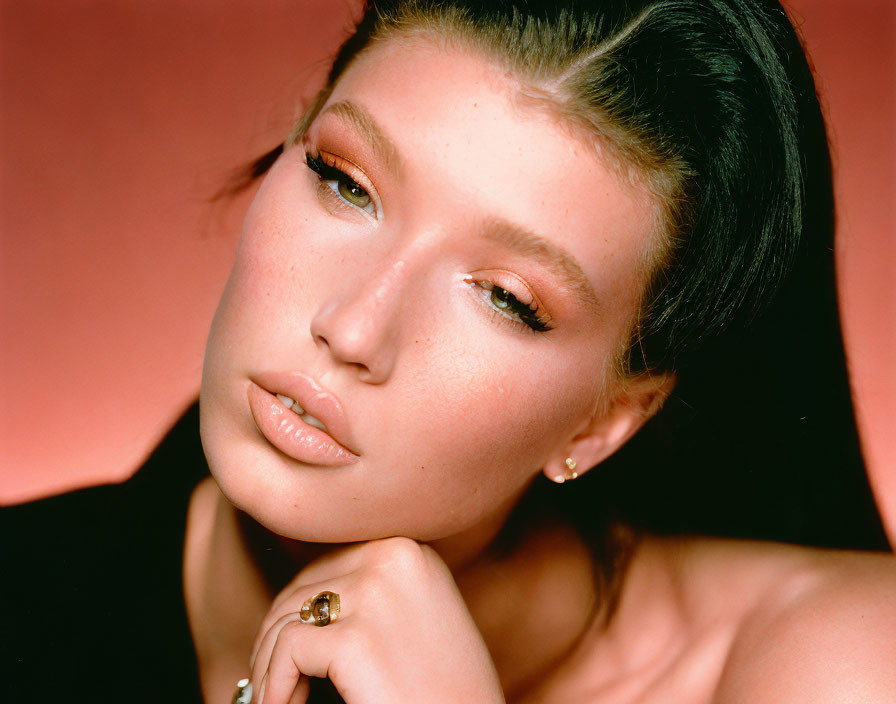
{"x":449,"y":309}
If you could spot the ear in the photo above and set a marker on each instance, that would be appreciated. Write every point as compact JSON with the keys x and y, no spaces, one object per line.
{"x":637,"y":401}
{"x":357,"y":10}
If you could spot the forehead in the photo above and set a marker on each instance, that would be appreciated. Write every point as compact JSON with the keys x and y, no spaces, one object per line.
{"x":465,"y":137}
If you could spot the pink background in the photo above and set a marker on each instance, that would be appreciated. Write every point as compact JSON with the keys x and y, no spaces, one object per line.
{"x":121,"y":119}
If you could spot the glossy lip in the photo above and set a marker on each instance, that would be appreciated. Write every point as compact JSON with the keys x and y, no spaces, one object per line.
{"x":286,"y":431}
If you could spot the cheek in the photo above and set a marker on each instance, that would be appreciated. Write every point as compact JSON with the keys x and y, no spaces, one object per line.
{"x":502,"y":412}
{"x":277,"y":269}
{"x":474,"y":438}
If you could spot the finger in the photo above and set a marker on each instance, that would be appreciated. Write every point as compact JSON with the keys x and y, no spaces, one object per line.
{"x":267,"y":631}
{"x":300,"y":695}
{"x":288,"y":607}
{"x":266,"y":640}
{"x":301,"y":650}
{"x":262,"y":657}
{"x":337,"y":563}
{"x":331,"y":565}
{"x":291,"y":605}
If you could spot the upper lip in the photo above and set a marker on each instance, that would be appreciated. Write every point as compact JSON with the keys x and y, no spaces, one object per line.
{"x":313,"y":399}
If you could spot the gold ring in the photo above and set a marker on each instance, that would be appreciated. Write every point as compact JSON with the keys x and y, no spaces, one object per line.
{"x":321,"y":609}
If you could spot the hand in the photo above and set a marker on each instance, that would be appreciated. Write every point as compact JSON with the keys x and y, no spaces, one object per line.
{"x":404,"y":633}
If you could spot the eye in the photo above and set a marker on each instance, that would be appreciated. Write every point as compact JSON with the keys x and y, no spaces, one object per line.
{"x":353,"y":193}
{"x":340,"y":183}
{"x":522,"y":307}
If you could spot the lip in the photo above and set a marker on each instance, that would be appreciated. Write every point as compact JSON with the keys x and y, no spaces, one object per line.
{"x":285,"y":430}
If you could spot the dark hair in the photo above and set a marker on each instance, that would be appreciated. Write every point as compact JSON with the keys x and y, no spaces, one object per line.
{"x":713,"y":99}
{"x":711,"y":103}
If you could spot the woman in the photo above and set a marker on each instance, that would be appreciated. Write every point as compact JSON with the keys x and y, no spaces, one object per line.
{"x":497,"y":244}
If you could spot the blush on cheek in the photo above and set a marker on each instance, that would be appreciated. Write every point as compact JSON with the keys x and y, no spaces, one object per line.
{"x":517,"y":423}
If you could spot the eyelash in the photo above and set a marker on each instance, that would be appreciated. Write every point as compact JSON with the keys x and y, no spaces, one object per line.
{"x":329,"y":172}
{"x":516,"y":311}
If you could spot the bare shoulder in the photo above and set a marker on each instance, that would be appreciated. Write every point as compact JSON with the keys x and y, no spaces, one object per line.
{"x":198,"y":539}
{"x":824,"y":631}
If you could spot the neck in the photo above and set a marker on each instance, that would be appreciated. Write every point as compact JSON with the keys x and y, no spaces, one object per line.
{"x":533,"y":600}
{"x":278,"y":558}
{"x":508,"y":591}
{"x":651,"y":620}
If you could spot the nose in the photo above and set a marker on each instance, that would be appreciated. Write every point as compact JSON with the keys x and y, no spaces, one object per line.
{"x":359,"y":324}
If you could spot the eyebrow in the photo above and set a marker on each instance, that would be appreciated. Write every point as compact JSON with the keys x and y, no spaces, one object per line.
{"x":497,"y":230}
{"x":383,"y":147}
{"x":555,"y":258}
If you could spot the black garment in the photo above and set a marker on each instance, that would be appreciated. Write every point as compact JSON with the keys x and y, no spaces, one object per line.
{"x":92,"y":591}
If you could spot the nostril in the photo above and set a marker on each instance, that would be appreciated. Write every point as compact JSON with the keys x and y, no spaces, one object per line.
{"x":358,"y":331}
{"x":319,"y":340}
{"x":353,"y":346}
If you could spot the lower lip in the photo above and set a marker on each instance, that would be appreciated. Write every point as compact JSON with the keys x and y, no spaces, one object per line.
{"x":286,"y":431}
